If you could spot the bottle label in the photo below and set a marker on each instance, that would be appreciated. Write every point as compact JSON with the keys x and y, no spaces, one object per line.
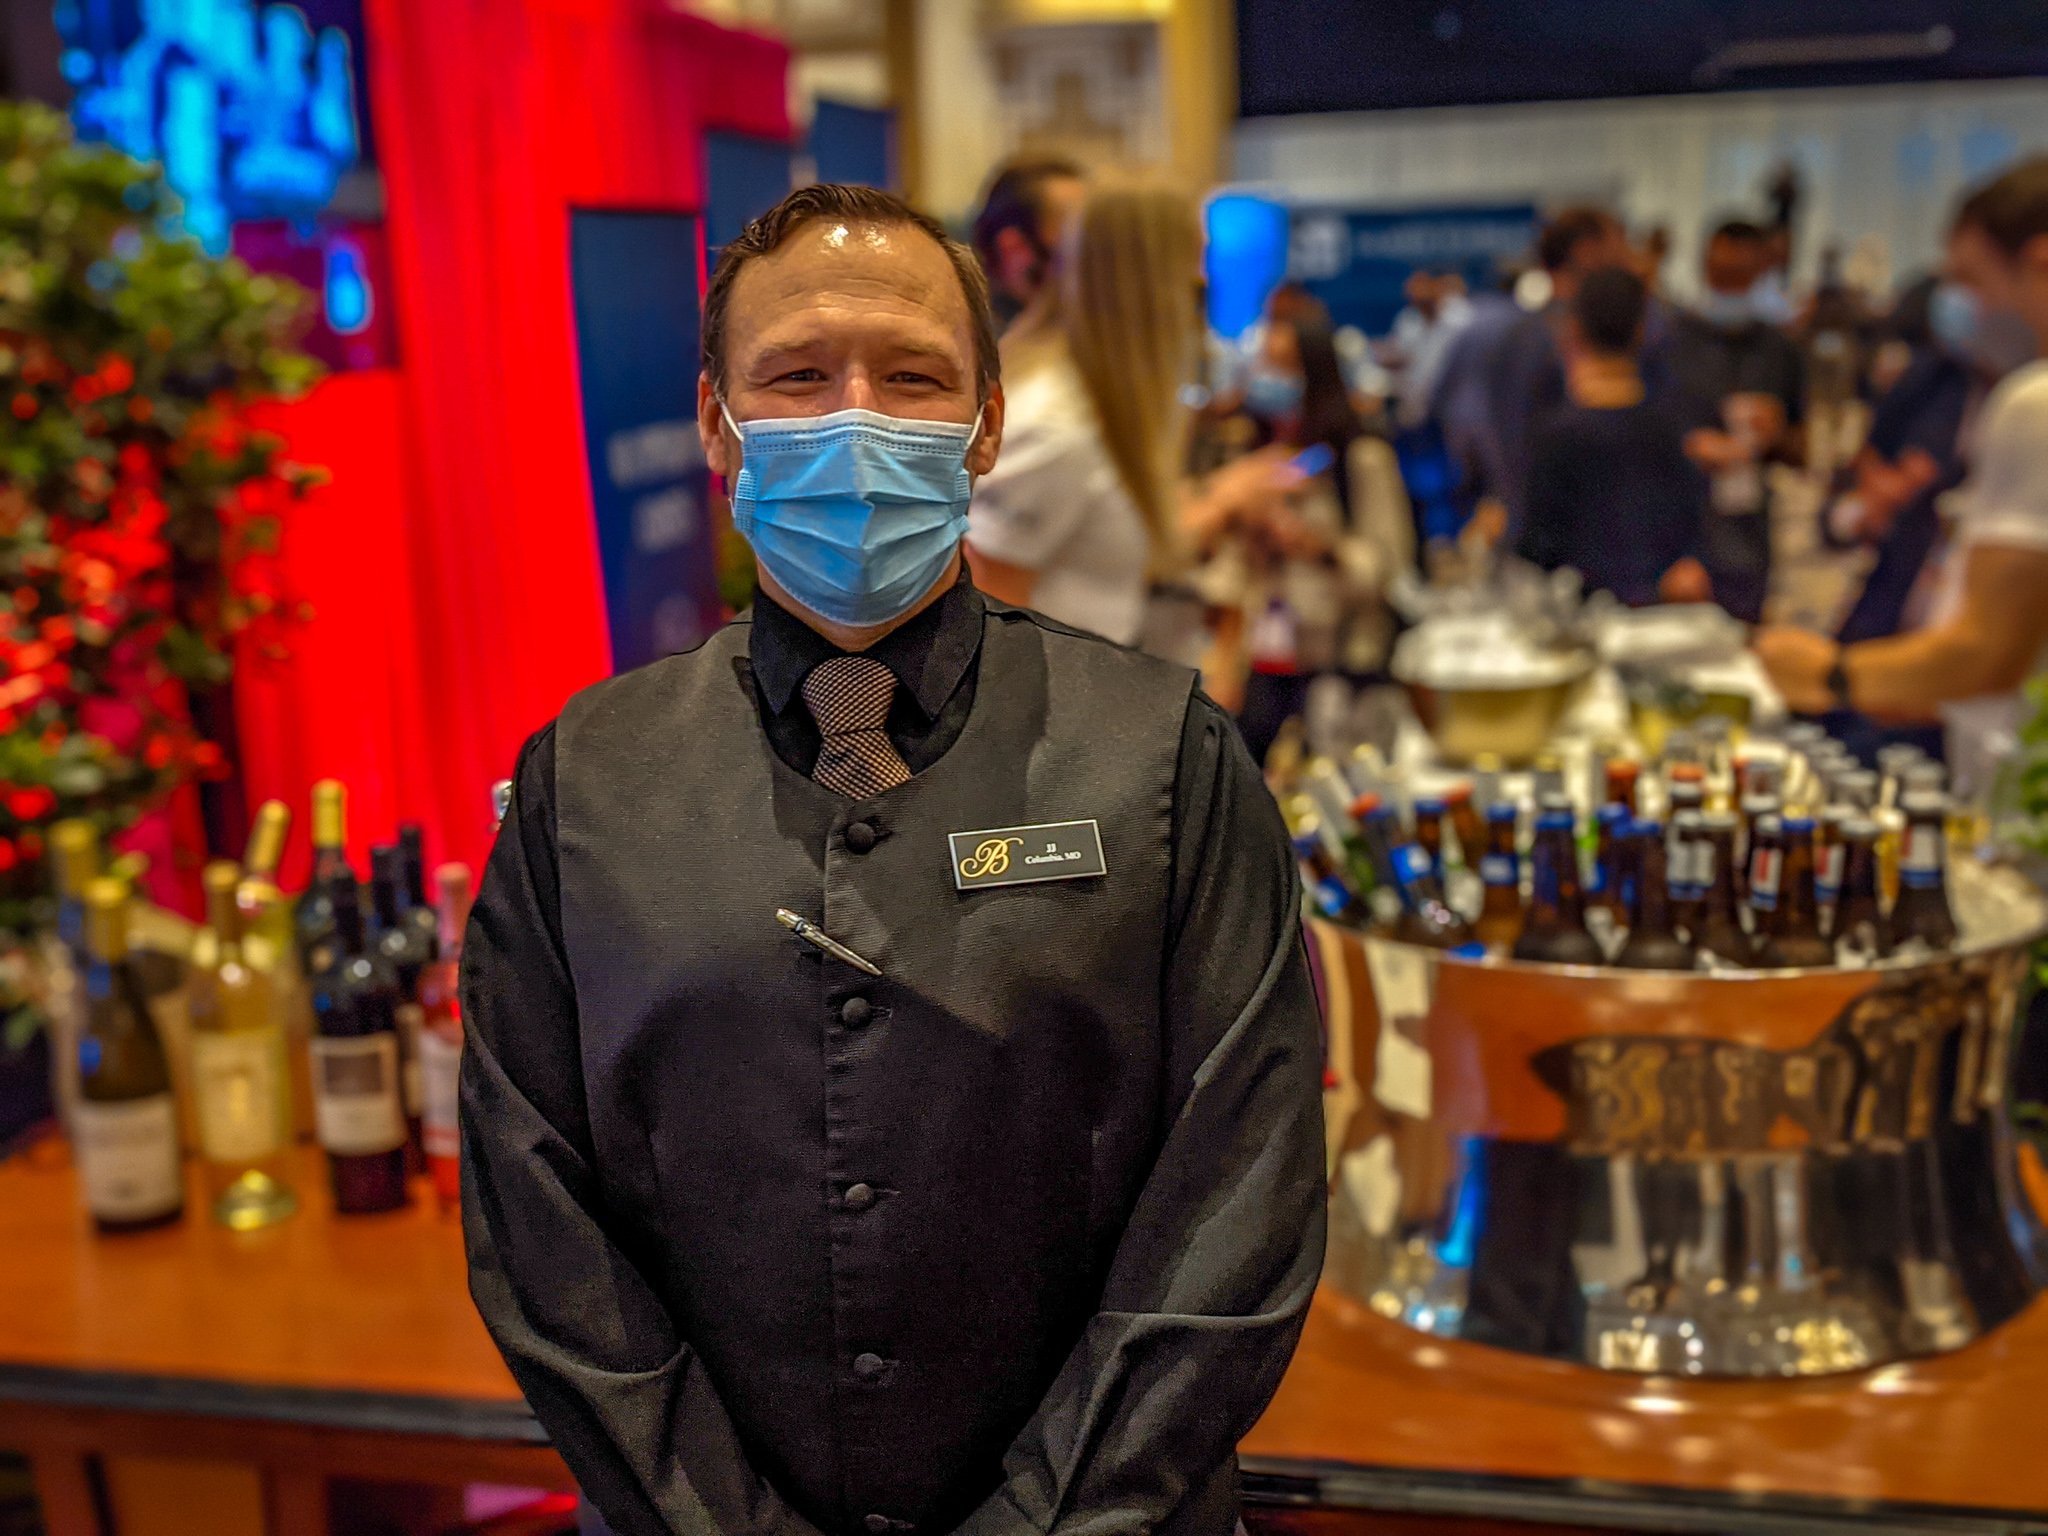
{"x":238,"y":1085}
{"x":440,"y":1076}
{"x":1703,"y":866}
{"x":1921,"y":867}
{"x":355,"y":1095}
{"x":1832,"y":865}
{"x":1764,"y":873}
{"x":411,"y":1021}
{"x":1411,"y":864}
{"x":128,"y":1158}
{"x":1499,"y":870}
{"x":1331,"y":897}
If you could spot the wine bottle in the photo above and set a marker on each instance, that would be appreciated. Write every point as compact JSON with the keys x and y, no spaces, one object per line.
{"x":412,"y":844}
{"x":240,"y":1085}
{"x":1554,"y":929}
{"x":314,"y":919}
{"x":1795,"y":937}
{"x":266,"y":916}
{"x":75,"y":864}
{"x":1500,"y":869}
{"x":441,"y":1035}
{"x":126,"y":1123}
{"x":1653,"y":941}
{"x":358,"y":1106}
{"x":399,"y":938}
{"x":1922,"y":911}
{"x":1860,"y":934}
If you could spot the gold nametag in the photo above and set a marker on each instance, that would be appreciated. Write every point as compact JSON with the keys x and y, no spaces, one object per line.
{"x":1053,"y":850}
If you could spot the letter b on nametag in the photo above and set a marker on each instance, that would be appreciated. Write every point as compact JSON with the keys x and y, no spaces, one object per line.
{"x":1054,"y":850}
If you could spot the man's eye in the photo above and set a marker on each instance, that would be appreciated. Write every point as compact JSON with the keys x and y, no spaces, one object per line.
{"x":801,"y":376}
{"x":921,"y":379}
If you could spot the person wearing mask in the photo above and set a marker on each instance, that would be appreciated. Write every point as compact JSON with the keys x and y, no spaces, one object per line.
{"x":1740,"y":384}
{"x":1312,"y":578}
{"x":1525,"y":372}
{"x":1024,"y":217}
{"x":831,"y":1162}
{"x":1088,"y":511}
{"x":1611,"y":492}
{"x":1989,"y":623}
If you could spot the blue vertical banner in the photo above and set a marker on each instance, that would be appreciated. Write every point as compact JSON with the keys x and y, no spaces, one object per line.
{"x":854,"y":144}
{"x":635,"y":282}
{"x":743,"y":178}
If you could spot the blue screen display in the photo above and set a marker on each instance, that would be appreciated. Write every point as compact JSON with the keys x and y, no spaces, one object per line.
{"x":253,"y":108}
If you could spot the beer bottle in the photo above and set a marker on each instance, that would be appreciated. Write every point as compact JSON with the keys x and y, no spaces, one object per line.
{"x":1857,"y":789}
{"x":125,"y":1126}
{"x":1755,"y":808}
{"x":1795,"y":939}
{"x":1892,"y":763}
{"x":1380,"y":836}
{"x":1653,"y":941}
{"x":1500,"y":869}
{"x":1828,"y":853}
{"x":1860,"y":934}
{"x":1623,"y":777}
{"x":1686,"y":858}
{"x":1688,"y":790}
{"x":1332,"y":798}
{"x":1610,"y":856}
{"x":1766,"y":876}
{"x":1426,"y":917}
{"x":1922,"y":911}
{"x":1719,"y":931}
{"x":1429,"y":830}
{"x":1467,"y":823}
{"x":1327,"y":889}
{"x":1555,"y":927}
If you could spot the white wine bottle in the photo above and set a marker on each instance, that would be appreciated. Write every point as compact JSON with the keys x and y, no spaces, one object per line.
{"x":126,"y":1127}
{"x":240,"y":1083}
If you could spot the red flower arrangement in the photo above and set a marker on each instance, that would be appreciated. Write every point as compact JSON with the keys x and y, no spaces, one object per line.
{"x":139,"y":515}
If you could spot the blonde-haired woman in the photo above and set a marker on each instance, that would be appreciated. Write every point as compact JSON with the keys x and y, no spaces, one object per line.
{"x":1087,"y":510}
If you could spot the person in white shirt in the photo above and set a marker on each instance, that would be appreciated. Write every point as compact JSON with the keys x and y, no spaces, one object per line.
{"x":1087,"y":508}
{"x":1989,"y":629}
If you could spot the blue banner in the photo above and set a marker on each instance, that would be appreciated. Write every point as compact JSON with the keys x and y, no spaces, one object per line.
{"x":743,"y":178}
{"x":853,"y":144}
{"x":635,"y":282}
{"x":1356,"y":260}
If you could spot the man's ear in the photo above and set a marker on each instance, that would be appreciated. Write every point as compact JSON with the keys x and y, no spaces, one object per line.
{"x":981,"y":458}
{"x":712,"y":433}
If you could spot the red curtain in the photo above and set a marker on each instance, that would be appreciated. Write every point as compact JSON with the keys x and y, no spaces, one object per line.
{"x":453,"y":563}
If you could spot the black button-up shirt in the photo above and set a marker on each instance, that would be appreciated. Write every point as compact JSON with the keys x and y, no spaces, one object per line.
{"x":1209,"y":1284}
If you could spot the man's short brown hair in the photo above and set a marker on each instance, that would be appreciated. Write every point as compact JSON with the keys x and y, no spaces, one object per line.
{"x":2011,"y":209}
{"x":857,"y":205}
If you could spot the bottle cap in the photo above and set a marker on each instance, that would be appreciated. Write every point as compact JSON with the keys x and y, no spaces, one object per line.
{"x":1797,"y":826}
{"x":1924,"y":805}
{"x":330,"y":814}
{"x":106,"y":918}
{"x":1552,"y":819}
{"x":1458,"y":794}
{"x":1646,"y":827}
{"x":1364,"y":806}
{"x":1859,"y":829}
{"x":77,"y":861}
{"x":1503,"y":810}
{"x":1430,"y":805}
{"x":266,"y":840}
{"x":1613,"y":817}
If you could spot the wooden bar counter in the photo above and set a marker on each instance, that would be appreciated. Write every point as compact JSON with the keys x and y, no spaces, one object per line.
{"x":195,"y":1379}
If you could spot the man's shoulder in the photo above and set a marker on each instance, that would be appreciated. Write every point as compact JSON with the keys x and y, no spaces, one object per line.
{"x":664,"y":678}
{"x":1090,"y":651}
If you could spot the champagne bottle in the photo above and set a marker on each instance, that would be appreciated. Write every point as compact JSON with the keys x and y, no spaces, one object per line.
{"x":1653,"y":941}
{"x":1860,"y":934}
{"x":441,"y":1035}
{"x":314,"y":919}
{"x":126,"y":1123}
{"x":1795,"y":937}
{"x":1555,"y":928}
{"x":75,"y":861}
{"x":265,"y":915}
{"x":1719,"y":931}
{"x":240,"y":1084}
{"x":1922,"y":911}
{"x":1500,"y":912}
{"x":356,"y":1093}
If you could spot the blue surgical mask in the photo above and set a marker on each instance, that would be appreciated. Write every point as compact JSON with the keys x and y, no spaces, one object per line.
{"x":1272,"y":395}
{"x":1994,"y":340}
{"x":1731,"y":311}
{"x":856,"y":514}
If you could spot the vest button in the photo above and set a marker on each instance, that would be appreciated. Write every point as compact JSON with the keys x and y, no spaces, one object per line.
{"x":868,"y":1367}
{"x":855,"y":1012}
{"x":860,"y":836}
{"x":860,"y":1197}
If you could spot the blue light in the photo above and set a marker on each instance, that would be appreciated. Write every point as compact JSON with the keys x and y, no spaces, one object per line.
{"x":350,"y":303}
{"x":1247,"y":258}
{"x":1458,"y":1246}
{"x":251,"y":113}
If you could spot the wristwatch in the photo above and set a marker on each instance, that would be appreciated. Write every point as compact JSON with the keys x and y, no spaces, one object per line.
{"x":1838,"y":679}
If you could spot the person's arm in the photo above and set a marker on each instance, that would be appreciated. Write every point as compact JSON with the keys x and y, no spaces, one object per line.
{"x":1211,"y":1282}
{"x":620,"y":1393}
{"x":1989,"y":646}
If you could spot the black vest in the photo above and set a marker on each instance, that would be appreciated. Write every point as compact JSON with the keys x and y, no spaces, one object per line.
{"x":996,"y":1090}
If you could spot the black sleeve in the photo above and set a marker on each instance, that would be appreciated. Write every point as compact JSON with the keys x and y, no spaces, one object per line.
{"x":1685,"y":522}
{"x":1212,"y":1280}
{"x":1550,"y":504}
{"x":621,"y":1394}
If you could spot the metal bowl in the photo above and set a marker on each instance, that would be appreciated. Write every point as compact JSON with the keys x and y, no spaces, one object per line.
{"x":1513,"y":724}
{"x":1741,"y":1174}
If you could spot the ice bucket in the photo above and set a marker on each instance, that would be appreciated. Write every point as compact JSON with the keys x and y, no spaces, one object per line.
{"x":1737,"y":1174}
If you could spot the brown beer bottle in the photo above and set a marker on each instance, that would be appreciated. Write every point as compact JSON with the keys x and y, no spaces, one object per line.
{"x":1555,"y":928}
{"x":1500,"y":872}
{"x":1794,"y":939}
{"x":1623,"y":776}
{"x":1429,"y":830}
{"x":1686,"y":858}
{"x":1610,"y":862}
{"x":1766,"y":879}
{"x":1922,"y":911}
{"x":1719,"y":930}
{"x":1653,"y":941}
{"x":1467,"y":823}
{"x":1859,"y":932}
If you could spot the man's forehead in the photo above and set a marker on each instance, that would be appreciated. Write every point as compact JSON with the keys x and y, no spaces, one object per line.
{"x":839,"y":263}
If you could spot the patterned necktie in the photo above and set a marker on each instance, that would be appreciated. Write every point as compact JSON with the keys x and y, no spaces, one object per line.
{"x":849,"y":697}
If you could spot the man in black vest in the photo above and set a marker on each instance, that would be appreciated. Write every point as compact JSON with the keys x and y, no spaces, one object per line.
{"x":891,"y":1101}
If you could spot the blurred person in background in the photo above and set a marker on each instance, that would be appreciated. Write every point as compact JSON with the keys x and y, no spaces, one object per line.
{"x":1424,"y":332}
{"x":1611,"y":491}
{"x":1741,"y":385}
{"x":1088,"y":509}
{"x":1307,"y":583}
{"x":1525,"y":368}
{"x":1024,"y":217}
{"x":1988,"y":629}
